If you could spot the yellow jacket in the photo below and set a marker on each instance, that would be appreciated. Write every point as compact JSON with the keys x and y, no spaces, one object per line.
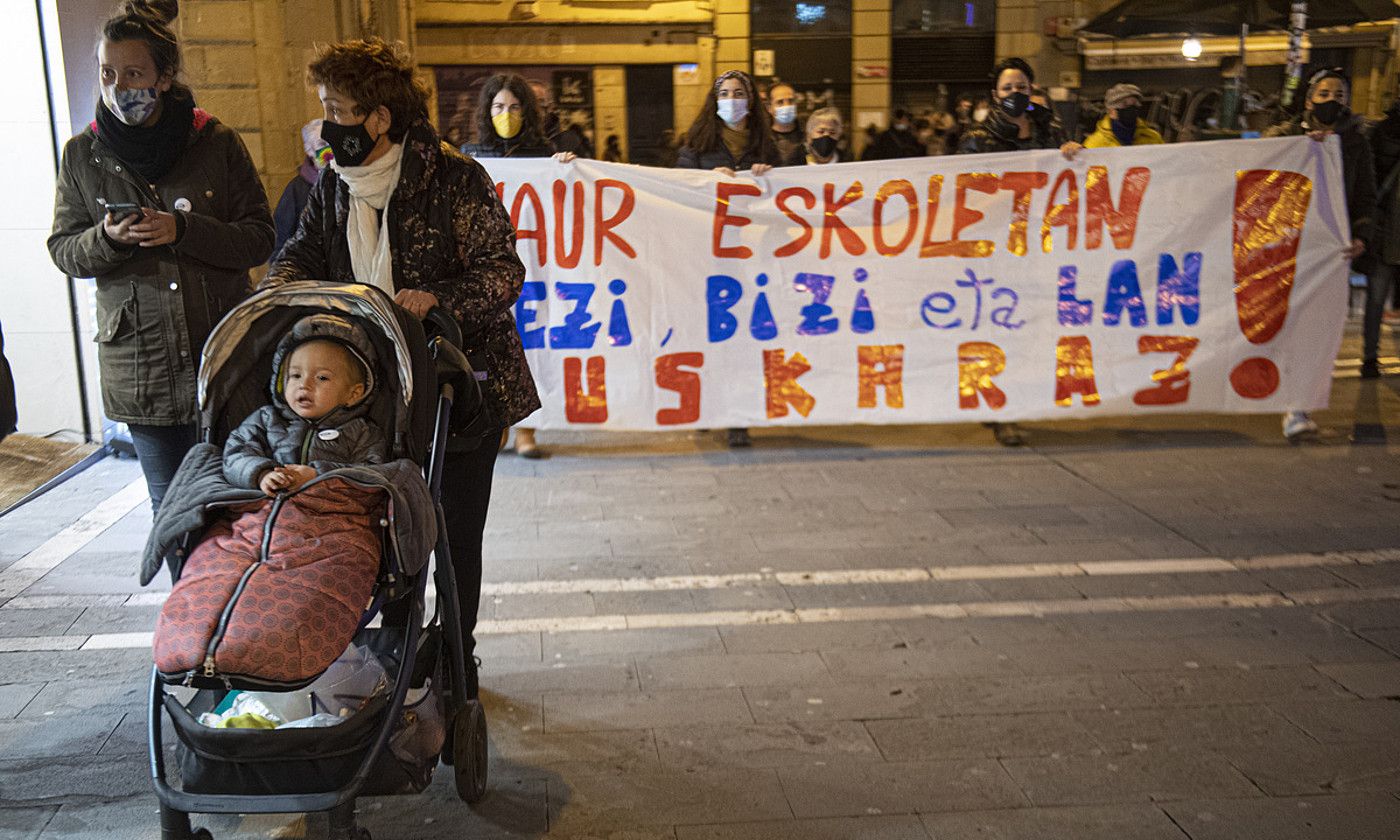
{"x":1144,"y":135}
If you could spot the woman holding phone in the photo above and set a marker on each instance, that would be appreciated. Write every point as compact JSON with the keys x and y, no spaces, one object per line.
{"x":162,"y":204}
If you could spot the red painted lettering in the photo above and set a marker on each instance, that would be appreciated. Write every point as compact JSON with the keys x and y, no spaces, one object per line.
{"x":669,"y":375}
{"x":1122,"y":220}
{"x":805,"y":235}
{"x":724,"y":192}
{"x":585,"y":406}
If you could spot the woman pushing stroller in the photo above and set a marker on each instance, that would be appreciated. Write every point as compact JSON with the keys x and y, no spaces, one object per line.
{"x":403,"y":211}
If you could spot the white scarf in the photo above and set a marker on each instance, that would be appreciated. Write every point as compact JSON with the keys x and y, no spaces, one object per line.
{"x":370,"y":189}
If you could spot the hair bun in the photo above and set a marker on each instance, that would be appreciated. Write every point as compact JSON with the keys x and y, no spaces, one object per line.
{"x":161,"y":11}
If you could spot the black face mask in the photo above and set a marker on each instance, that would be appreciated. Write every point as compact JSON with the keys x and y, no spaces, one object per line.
{"x":1016,"y":104}
{"x":350,"y":144}
{"x":1129,"y":116}
{"x":823,"y":147}
{"x":1328,"y":112}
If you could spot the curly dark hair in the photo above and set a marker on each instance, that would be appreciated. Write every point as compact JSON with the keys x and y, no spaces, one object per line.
{"x":705,"y":132}
{"x":374,"y":73}
{"x":1012,"y":63}
{"x":532,"y":126}
{"x":148,"y":21}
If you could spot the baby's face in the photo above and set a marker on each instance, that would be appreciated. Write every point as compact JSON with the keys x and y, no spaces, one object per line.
{"x":321,"y":377}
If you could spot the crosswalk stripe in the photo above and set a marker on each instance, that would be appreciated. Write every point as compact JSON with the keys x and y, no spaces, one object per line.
{"x":895,"y":612}
{"x":30,"y":568}
{"x":839,"y":577}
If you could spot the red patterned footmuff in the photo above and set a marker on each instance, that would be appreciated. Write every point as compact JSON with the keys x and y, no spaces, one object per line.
{"x":271,"y":596}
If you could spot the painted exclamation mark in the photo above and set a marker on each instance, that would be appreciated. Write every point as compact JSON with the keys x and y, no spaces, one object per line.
{"x":1270,"y":209}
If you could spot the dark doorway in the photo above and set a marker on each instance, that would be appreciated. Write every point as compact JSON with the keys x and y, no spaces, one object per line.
{"x":650,"y":113}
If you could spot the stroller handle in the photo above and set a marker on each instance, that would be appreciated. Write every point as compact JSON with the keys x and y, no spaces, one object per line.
{"x":444,"y":324}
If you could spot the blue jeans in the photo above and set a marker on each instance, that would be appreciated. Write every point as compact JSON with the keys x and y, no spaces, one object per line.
{"x":160,"y":449}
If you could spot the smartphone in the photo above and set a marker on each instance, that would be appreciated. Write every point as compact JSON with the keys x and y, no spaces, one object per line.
{"x":121,"y":210}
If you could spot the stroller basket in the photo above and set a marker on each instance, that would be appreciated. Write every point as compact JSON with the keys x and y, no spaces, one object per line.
{"x":269,"y":762}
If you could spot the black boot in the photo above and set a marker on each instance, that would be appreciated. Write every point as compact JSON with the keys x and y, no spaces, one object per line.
{"x":1370,"y":369}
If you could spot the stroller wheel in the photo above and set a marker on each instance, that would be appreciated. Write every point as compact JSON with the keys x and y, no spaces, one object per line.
{"x":469,"y":752}
{"x":201,"y":834}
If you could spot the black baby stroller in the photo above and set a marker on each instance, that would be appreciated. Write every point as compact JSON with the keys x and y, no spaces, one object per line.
{"x":385,"y":747}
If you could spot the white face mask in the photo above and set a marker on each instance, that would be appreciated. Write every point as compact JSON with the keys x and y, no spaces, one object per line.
{"x":980,"y":114}
{"x":131,"y":106}
{"x":733,"y":111}
{"x":785,"y":114}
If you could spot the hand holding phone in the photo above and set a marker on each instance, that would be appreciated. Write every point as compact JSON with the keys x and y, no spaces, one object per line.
{"x":119,"y":219}
{"x":120,"y":210}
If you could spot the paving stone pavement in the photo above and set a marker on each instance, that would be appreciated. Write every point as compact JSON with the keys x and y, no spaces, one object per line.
{"x":1157,"y":629}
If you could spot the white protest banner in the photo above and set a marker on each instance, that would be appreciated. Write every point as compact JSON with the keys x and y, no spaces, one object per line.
{"x":1203,"y":277}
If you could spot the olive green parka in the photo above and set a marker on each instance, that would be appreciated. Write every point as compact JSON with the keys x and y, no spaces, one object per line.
{"x":156,"y":306}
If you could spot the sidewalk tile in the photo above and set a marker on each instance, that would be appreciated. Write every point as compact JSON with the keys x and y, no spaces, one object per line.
{"x":586,"y":712}
{"x":24,"y":823}
{"x":979,"y":736}
{"x":60,"y":735}
{"x":1369,"y":680}
{"x":899,"y":788}
{"x":664,"y":798}
{"x":1092,"y":822}
{"x":535,"y":677}
{"x":1353,"y":817}
{"x":667,"y":673}
{"x":1302,"y":767}
{"x":866,"y":700}
{"x":710,"y":748}
{"x":1344,"y":721}
{"x":59,"y":699}
{"x":1033,"y":693}
{"x":1235,"y":685}
{"x":41,"y":622}
{"x":1129,"y":730}
{"x":839,"y":828}
{"x":545,"y":754}
{"x":73,"y":779}
{"x":15,"y":696}
{"x":959,"y":657}
{"x":1153,"y":775}
{"x":773,"y":638}
{"x":604,"y":643}
{"x":115,"y":620}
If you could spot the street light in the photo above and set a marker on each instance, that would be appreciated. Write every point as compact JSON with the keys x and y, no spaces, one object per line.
{"x":1191,"y":48}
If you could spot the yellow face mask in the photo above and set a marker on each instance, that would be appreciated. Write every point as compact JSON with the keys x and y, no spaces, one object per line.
{"x":507,"y":124}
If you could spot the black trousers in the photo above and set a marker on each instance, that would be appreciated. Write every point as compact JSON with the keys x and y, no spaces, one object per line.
{"x":159,"y":450}
{"x":1378,"y":287}
{"x":466,"y":497}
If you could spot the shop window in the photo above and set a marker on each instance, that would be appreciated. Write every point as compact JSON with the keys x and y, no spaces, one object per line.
{"x":944,"y":16}
{"x":800,"y":17}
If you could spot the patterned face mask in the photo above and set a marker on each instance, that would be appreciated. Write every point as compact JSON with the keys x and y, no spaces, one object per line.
{"x":131,"y":106}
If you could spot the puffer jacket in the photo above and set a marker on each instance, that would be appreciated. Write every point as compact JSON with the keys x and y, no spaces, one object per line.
{"x":275,"y":435}
{"x":449,"y":236}
{"x":997,"y":133}
{"x":1104,"y":138}
{"x":516,"y":147}
{"x":156,"y":306}
{"x":1358,"y":168}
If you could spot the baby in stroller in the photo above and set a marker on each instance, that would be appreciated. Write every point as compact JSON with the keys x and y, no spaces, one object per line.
{"x":278,"y":533}
{"x":322,"y":375}
{"x":277,"y":584}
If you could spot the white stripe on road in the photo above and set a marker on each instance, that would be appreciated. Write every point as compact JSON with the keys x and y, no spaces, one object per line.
{"x":845,"y":577}
{"x":30,"y":568}
{"x":897,"y":612}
